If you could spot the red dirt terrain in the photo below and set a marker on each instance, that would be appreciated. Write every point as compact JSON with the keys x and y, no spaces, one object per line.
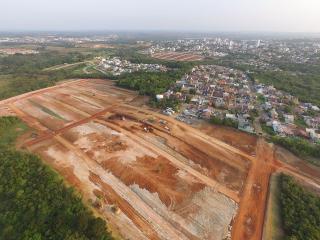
{"x":241,"y":140}
{"x":177,"y":56}
{"x":148,"y":175}
{"x":249,"y":221}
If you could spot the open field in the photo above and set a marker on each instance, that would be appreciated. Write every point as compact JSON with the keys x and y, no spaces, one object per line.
{"x":241,"y":140}
{"x":273,"y":225}
{"x":177,"y":56}
{"x":148,"y":175}
{"x":62,"y":66}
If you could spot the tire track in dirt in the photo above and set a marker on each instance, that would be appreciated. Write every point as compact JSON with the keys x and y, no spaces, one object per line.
{"x":208,"y":139}
{"x":72,"y":125}
{"x":287,"y":169}
{"x":209,"y":181}
{"x":250,"y":218}
{"x":155,"y":148}
{"x":151,"y":223}
{"x":234,"y":162}
{"x":31,"y":121}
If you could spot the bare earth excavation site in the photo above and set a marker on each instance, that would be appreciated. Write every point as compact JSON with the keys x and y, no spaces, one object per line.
{"x":149,"y":175}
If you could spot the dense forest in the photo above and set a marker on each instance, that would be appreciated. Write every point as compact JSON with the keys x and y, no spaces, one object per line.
{"x":33,"y":63}
{"x":304,"y":86}
{"x":152,"y":83}
{"x":34,"y":202}
{"x":300,"y":211}
{"x":300,"y":80}
{"x":165,"y":103}
{"x":24,"y":73}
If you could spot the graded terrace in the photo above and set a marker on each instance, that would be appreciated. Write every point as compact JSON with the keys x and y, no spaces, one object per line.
{"x":148,"y":175}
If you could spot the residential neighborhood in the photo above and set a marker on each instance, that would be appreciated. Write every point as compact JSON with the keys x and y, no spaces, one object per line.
{"x":117,"y":66}
{"x":211,"y":91}
{"x":255,"y":54}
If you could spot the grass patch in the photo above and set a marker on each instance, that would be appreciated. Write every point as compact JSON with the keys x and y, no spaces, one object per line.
{"x":268,"y":130}
{"x":300,"y":122}
{"x":47,"y":110}
{"x":10,"y":129}
{"x":273,"y":228}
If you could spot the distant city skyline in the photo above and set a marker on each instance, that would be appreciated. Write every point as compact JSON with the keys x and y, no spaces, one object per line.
{"x":164,"y":15}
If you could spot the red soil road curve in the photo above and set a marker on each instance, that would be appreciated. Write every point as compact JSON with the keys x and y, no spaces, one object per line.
{"x":310,"y":179}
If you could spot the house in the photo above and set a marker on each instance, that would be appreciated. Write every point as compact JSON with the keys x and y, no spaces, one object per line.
{"x":302,"y":133}
{"x":245,"y":125}
{"x":169,"y":111}
{"x":207,"y":113}
{"x":273,"y":114}
{"x":195,"y":100}
{"x":267,"y":106}
{"x":315,"y":108}
{"x":288,"y":130}
{"x":312,"y":122}
{"x":219,"y":102}
{"x":231,"y":116}
{"x":288,"y":118}
{"x":313,"y":134}
{"x":159,"y":97}
{"x":277,"y":126}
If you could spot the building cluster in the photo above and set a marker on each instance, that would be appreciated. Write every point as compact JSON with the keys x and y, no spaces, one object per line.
{"x":12,"y":51}
{"x":55,"y":38}
{"x":215,"y":91}
{"x":286,"y":115}
{"x":117,"y":66}
{"x":256,"y":54}
{"x":211,"y":91}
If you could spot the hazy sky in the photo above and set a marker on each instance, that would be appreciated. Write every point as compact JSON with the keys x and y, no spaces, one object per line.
{"x":184,"y":15}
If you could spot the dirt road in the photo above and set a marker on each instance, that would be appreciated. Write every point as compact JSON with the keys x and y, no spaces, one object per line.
{"x":249,"y":221}
{"x":62,"y":66}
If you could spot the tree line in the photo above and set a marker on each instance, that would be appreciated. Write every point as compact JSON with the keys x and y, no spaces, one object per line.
{"x":152,"y":83}
{"x":34,"y":201}
{"x":300,"y":211}
{"x":298,"y":146}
